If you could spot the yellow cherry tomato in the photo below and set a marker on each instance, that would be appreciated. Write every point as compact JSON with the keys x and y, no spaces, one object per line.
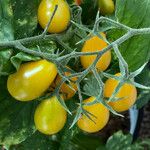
{"x":92,"y":45}
{"x":67,"y":90}
{"x":106,"y":6}
{"x":31,"y":80}
{"x":61,"y":18}
{"x":50,"y":117}
{"x":128,"y":92}
{"x":100,"y":118}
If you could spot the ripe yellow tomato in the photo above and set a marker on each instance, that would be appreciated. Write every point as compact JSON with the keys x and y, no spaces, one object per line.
{"x":50,"y":117}
{"x":31,"y":80}
{"x":101,"y":117}
{"x":61,"y":18}
{"x":127,"y":91}
{"x":106,"y":6}
{"x":92,"y":45}
{"x":66,"y":89}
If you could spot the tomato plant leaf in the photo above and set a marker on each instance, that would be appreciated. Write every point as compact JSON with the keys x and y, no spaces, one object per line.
{"x":25,"y":17}
{"x":91,"y":87}
{"x":144,"y":95}
{"x":45,"y":46}
{"x":5,"y":64}
{"x":135,"y":14}
{"x":87,"y":142}
{"x":67,"y":136}
{"x":6,"y":26}
{"x":16,"y":118}
{"x":18,"y":58}
{"x":119,"y":141}
{"x":37,"y":141}
{"x":6,"y":33}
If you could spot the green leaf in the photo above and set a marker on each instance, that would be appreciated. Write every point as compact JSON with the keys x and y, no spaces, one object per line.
{"x":135,"y":14}
{"x":87,"y":142}
{"x":25,"y":17}
{"x":66,"y":138}
{"x":145,"y":143}
{"x":6,"y":26}
{"x":16,"y":118}
{"x":91,"y":87}
{"x":45,"y":46}
{"x":20,"y":57}
{"x":37,"y":141}
{"x":144,"y":95}
{"x":21,"y":24}
{"x":118,"y":141}
{"x":143,"y":99}
{"x":138,"y":71}
{"x":5,"y":64}
{"x":6,"y":33}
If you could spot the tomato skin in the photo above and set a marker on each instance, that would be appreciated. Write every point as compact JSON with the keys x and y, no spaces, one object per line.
{"x":127,"y":90}
{"x":50,"y":117}
{"x":31,"y":80}
{"x":101,"y":118}
{"x":91,"y":45}
{"x":106,"y":6}
{"x":61,"y":18}
{"x":65,"y":88}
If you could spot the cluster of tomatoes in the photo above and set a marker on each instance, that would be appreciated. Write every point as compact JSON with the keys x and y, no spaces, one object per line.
{"x":34,"y":78}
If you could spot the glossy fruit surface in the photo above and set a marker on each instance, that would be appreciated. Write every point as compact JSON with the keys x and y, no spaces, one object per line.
{"x":128,"y":92}
{"x":92,"y":45}
{"x":50,"y":117}
{"x":61,"y":18}
{"x":101,"y":117}
{"x":106,"y":6}
{"x":31,"y":80}
{"x":68,"y":90}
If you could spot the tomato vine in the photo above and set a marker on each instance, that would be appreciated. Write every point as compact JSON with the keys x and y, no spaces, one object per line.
{"x":126,"y":77}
